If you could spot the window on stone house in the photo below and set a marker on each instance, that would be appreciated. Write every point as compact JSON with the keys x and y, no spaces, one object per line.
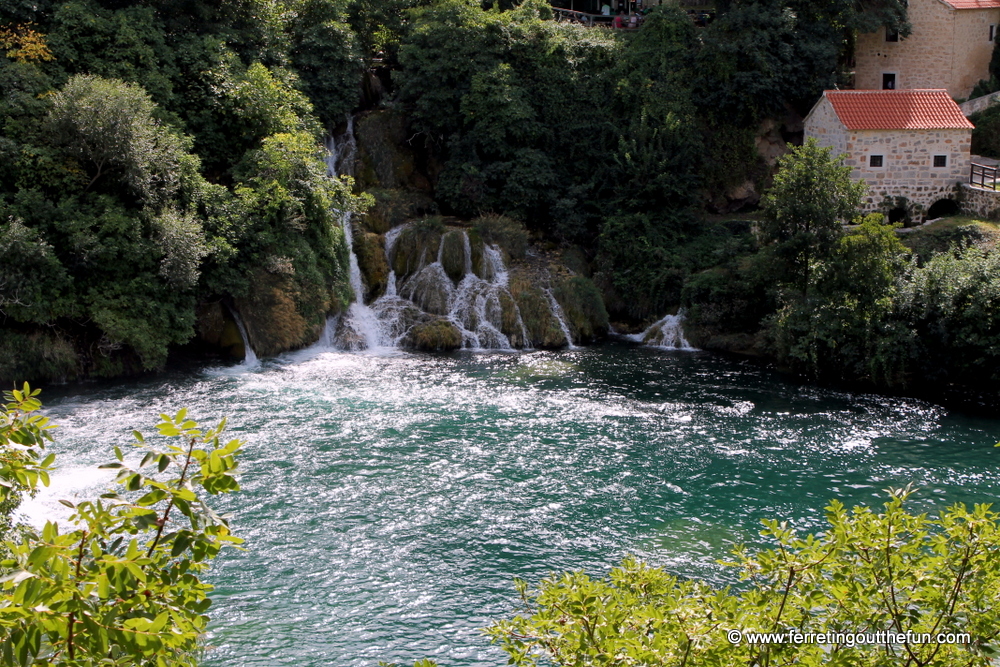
{"x":891,"y":35}
{"x":875,"y":161}
{"x":993,"y":32}
{"x":888,"y":81}
{"x":940,"y":160}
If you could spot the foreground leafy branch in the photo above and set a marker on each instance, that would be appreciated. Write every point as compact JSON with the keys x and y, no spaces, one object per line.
{"x":868,"y":572}
{"x":122,"y":587}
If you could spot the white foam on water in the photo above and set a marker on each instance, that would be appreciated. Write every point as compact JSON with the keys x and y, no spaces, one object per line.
{"x":666,"y":333}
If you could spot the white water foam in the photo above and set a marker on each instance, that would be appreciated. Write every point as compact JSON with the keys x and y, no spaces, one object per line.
{"x":666,"y":333}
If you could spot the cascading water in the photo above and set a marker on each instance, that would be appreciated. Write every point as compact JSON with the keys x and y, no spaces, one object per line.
{"x":250,"y":358}
{"x":477,"y":305}
{"x":666,"y":333}
{"x":557,"y":312}
{"x":474,"y":306}
{"x":359,"y":329}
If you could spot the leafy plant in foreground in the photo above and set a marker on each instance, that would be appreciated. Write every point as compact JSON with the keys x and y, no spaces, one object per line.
{"x":121,"y":587}
{"x":891,"y":571}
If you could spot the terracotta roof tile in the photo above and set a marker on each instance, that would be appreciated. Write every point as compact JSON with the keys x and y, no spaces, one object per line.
{"x":973,"y":4}
{"x":897,"y":110}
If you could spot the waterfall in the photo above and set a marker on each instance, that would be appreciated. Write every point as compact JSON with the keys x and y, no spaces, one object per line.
{"x":360,"y":328}
{"x":557,"y":312}
{"x":474,"y":304}
{"x":341,"y":153}
{"x":666,"y":333}
{"x":250,"y":357}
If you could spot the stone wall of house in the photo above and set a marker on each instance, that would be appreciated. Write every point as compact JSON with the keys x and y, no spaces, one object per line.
{"x":973,"y":49}
{"x":980,"y":202}
{"x":823,"y":125}
{"x":922,"y":60}
{"x":947,"y":49}
{"x":907,"y":160}
{"x":907,"y":166}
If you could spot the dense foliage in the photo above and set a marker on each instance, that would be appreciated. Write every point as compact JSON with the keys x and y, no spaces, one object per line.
{"x":812,"y":197}
{"x":868,"y":572}
{"x":610,"y":140}
{"x":850,"y":303}
{"x":121,"y":586}
{"x":154,"y":156}
{"x":158,"y":157}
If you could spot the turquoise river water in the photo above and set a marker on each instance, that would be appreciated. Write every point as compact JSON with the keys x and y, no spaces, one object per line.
{"x":389,"y":499}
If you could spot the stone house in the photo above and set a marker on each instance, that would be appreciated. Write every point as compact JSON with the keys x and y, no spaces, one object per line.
{"x":910,"y":146}
{"x":950,"y":47}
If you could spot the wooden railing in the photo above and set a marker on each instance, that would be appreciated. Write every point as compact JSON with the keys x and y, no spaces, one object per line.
{"x":984,"y":176}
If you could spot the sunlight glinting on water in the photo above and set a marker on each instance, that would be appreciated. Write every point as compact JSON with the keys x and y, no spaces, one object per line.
{"x":389,"y":499}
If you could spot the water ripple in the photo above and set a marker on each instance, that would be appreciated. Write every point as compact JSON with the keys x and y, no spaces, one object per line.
{"x":389,"y":498}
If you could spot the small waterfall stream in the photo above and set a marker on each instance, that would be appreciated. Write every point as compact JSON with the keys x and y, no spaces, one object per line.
{"x":250,"y":357}
{"x":361,"y":322}
{"x":557,"y":312}
{"x":667,"y":333}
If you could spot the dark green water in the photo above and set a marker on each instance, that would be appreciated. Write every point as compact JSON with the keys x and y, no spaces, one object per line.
{"x":388,"y":500}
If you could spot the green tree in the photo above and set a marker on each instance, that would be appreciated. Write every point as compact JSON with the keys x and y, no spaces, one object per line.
{"x":847,"y":329}
{"x":952,"y":305}
{"x":108,"y":127}
{"x":327,"y":56}
{"x":867,"y":572}
{"x":812,"y":197}
{"x":122,"y":587}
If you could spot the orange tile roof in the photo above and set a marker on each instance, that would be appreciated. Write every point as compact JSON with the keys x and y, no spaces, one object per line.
{"x":897,"y":110}
{"x":973,"y":4}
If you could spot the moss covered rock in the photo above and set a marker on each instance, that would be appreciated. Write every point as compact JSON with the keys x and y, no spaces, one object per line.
{"x":453,"y":254}
{"x":511,"y":323}
{"x":394,"y":207}
{"x":374,"y":267}
{"x":536,"y":313}
{"x":430,"y":289}
{"x":437,"y":335}
{"x":476,"y":247}
{"x":272,"y":317}
{"x":583,"y":308}
{"x":507,"y":233}
{"x":216,"y":327}
{"x":417,"y":246}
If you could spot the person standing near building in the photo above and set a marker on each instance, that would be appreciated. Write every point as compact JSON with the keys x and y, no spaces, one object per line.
{"x":606,"y":9}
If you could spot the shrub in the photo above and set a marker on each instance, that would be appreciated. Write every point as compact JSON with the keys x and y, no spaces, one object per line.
{"x":117,"y":589}
{"x":867,"y":572}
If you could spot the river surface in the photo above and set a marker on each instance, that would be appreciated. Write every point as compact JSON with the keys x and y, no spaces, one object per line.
{"x":389,"y":499}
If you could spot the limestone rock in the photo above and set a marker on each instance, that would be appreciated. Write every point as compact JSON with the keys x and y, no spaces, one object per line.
{"x":437,"y":335}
